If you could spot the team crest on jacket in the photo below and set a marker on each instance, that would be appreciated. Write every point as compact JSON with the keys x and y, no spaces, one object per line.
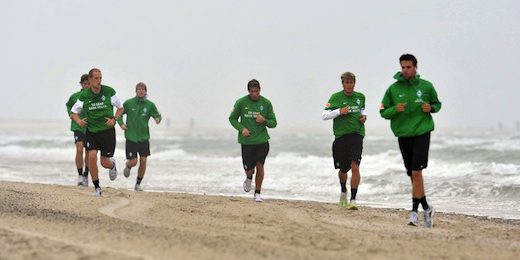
{"x":358,"y":102}
{"x":261,"y":107}
{"x":103,"y":98}
{"x":144,"y":110}
{"x":419,"y":93}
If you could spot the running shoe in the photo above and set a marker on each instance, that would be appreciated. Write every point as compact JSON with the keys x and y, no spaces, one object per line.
{"x":113,"y":172}
{"x":84,"y":182}
{"x":247,"y":184}
{"x":258,"y":198}
{"x":343,"y":202}
{"x":413,"y":219}
{"x":97,"y":192}
{"x":428,"y":217}
{"x":352,"y":205}
{"x":80,"y":180}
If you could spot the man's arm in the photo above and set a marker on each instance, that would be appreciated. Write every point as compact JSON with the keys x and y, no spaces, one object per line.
{"x":156,"y":114}
{"x":233,"y":118}
{"x":75,"y":111}
{"x":388,"y":109}
{"x":270,"y":119}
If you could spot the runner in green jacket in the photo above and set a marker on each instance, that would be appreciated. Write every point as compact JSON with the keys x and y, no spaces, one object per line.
{"x":347,"y":108}
{"x":79,"y":135}
{"x":256,"y":115}
{"x":138,"y":112}
{"x":409,"y":103}
{"x":98,"y":103}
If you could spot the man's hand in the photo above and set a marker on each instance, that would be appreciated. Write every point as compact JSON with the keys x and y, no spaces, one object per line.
{"x":82,"y":122}
{"x":343,"y":111}
{"x":245,"y":132}
{"x":157,"y":120}
{"x":260,"y":119}
{"x":426,"y":108}
{"x":401,"y":107}
{"x":110,"y":121}
{"x":124,"y":127}
{"x":363,"y":119}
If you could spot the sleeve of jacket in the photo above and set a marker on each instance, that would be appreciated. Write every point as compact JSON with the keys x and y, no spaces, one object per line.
{"x":155,"y":113}
{"x":435,"y":102}
{"x":270,"y":119}
{"x":233,"y":117}
{"x":388,"y":109}
{"x":120,"y":121}
{"x":330,"y":111}
{"x":69,"y":105}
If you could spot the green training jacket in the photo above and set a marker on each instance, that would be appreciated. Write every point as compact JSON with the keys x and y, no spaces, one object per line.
{"x":414,"y":92}
{"x":247,"y":109}
{"x":138,"y":113}
{"x":97,"y":107}
{"x":73,"y":125}
{"x":349,"y":123}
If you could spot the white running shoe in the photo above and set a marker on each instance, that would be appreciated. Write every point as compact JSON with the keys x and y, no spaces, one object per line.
{"x":126,"y":172}
{"x":428,"y":217}
{"x":84,"y":183}
{"x":97,"y":192}
{"x":112,"y":173}
{"x":413,"y":219}
{"x":80,"y":180}
{"x":352,"y":205}
{"x":138,"y":187}
{"x":258,"y":198}
{"x":247,"y":184}
{"x":343,"y":202}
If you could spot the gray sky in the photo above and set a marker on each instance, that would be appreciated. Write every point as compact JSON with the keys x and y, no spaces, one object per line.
{"x":197,"y":56}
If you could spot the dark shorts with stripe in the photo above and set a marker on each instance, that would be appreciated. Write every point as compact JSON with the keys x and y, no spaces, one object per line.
{"x":80,"y":137}
{"x":346,"y":149}
{"x":254,"y":153}
{"x":133,"y":149}
{"x":415,"y":152}
{"x":105,"y":141}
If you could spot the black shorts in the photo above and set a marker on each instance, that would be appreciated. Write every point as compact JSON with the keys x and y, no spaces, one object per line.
{"x":105,"y":141}
{"x":80,"y":137}
{"x":415,"y":152}
{"x":254,"y":153}
{"x":141,"y":148}
{"x":346,"y":149}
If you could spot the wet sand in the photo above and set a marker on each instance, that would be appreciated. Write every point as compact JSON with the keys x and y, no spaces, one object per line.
{"x":40,"y":221}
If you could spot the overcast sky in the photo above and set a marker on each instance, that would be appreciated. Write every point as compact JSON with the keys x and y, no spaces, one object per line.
{"x":197,"y":56}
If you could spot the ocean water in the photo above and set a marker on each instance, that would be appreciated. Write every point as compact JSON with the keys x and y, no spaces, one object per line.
{"x":472,"y":172}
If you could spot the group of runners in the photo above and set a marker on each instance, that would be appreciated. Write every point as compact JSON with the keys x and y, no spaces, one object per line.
{"x":92,"y":112}
{"x":408,"y":103}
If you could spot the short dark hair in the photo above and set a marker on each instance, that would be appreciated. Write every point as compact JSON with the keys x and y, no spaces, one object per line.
{"x":84,"y":78}
{"x":409,"y":57}
{"x":91,"y":72}
{"x":253,"y":84}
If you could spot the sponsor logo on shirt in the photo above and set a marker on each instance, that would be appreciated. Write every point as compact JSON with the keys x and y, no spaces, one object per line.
{"x":419,"y":97}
